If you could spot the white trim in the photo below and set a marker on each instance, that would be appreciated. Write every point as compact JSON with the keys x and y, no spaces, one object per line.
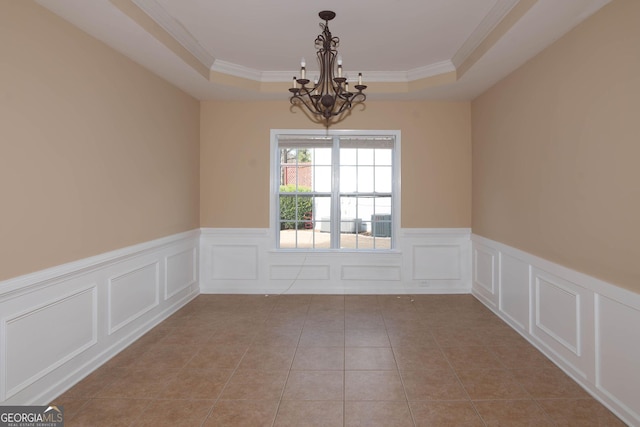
{"x":40,"y":380}
{"x":488,"y":23}
{"x":583,"y":361}
{"x":179,"y":33}
{"x":237,"y":70}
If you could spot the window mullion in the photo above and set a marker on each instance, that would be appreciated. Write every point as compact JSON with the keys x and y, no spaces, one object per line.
{"x":335,"y":193}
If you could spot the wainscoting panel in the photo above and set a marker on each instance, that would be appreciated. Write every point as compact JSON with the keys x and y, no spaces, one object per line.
{"x":45,"y":337}
{"x":181,"y":271}
{"x":299,"y":272}
{"x":436,"y":262}
{"x":60,"y":324}
{"x":485,"y":273}
{"x":371,"y":272}
{"x":245,"y":261}
{"x":584,"y":325}
{"x":513,"y":291}
{"x":618,"y":353}
{"x":234,"y":262}
{"x":132,"y":294}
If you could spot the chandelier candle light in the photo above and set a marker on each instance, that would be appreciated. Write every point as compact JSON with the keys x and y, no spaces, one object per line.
{"x":329,"y":96}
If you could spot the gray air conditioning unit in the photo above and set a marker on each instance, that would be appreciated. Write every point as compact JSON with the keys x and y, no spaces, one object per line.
{"x":381,"y":225}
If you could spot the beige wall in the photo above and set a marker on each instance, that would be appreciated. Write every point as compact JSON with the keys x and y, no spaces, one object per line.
{"x":436,"y":158}
{"x":556,"y":147}
{"x":96,"y":153}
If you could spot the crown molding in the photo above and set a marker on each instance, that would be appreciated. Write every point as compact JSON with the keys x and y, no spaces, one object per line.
{"x":176,"y":30}
{"x":488,"y":23}
{"x":431,"y":70}
{"x":238,"y":70}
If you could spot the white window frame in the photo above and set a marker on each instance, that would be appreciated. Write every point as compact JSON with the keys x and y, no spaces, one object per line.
{"x":274,"y":215}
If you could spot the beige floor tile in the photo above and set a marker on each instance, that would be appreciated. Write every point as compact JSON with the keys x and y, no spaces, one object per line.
{"x":310,"y":414}
{"x":255,"y":385}
{"x":280,"y":336}
{"x":491,"y":384}
{"x":364,"y":320}
{"x":377,"y":414}
{"x":523,"y":356}
{"x":314,"y":385}
{"x":512,"y":413}
{"x":92,"y":384}
{"x":196,"y":384}
{"x":373,"y":385}
{"x":143,"y":383}
{"x":242,"y":413}
{"x":108,"y":413}
{"x":436,"y":384}
{"x":366,"y":338}
{"x":369,"y":358}
{"x":419,"y":358}
{"x":471,"y":357}
{"x":213,"y":356}
{"x":269,"y":358}
{"x":165,"y":356}
{"x":445,"y":414}
{"x":319,"y":358}
{"x":174,"y":413}
{"x":579,"y":413}
{"x":548,"y":383}
{"x":404,"y":337}
{"x":320,"y":337}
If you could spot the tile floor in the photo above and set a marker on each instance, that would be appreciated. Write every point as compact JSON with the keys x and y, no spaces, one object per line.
{"x":323,"y":360}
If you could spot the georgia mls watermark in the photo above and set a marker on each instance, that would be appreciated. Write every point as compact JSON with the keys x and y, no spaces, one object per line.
{"x":31,"y":416}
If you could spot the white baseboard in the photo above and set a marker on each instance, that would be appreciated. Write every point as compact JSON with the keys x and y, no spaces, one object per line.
{"x":60,"y":324}
{"x":586,"y":326}
{"x":244,"y":261}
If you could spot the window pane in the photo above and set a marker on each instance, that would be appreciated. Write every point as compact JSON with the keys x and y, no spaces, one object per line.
{"x":382,"y":205}
{"x":348,"y":179}
{"x":295,"y":210}
{"x":322,"y":179}
{"x":321,"y":156}
{"x":304,"y":239}
{"x":383,"y":157}
{"x":383,"y":179}
{"x":348,"y":156}
{"x":365,"y":156}
{"x":365,"y":179}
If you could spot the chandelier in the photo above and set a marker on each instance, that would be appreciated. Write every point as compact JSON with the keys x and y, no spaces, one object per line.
{"x":329,"y":95}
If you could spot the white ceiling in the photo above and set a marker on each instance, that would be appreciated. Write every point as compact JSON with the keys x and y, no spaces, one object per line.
{"x":396,"y":41}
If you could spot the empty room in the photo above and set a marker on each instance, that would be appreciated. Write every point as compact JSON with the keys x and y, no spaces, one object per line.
{"x":411,"y":213}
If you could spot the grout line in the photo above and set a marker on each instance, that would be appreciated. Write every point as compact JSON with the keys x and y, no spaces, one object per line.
{"x":284,"y":387}
{"x":404,"y":389}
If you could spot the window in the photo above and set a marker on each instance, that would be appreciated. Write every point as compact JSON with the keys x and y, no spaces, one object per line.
{"x":335,"y":190}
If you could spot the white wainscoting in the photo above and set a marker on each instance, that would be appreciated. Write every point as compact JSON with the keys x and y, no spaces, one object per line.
{"x":244,"y":261}
{"x":586,"y":326}
{"x":60,"y":324}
